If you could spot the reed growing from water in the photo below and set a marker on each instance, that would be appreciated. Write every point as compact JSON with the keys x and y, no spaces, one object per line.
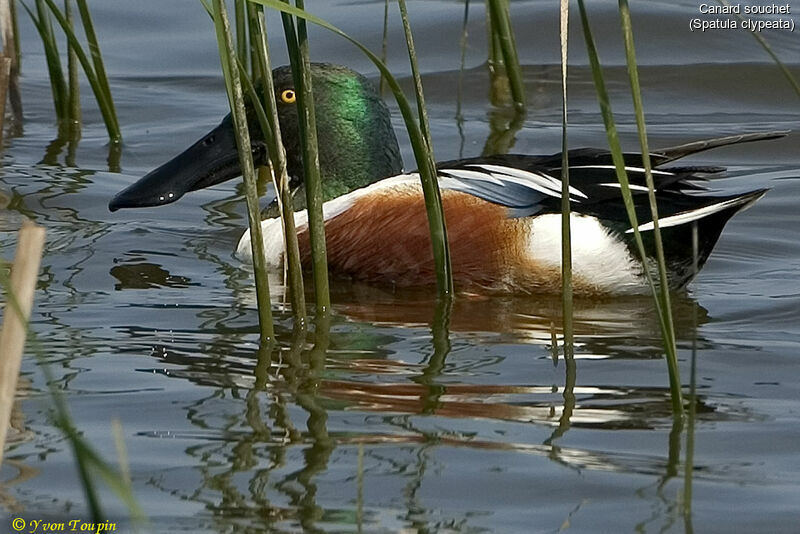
{"x":74,"y":92}
{"x":93,"y":68}
{"x":272,"y":133}
{"x":566,"y":233}
{"x":296,"y":36}
{"x":660,"y":294}
{"x":231,"y":73}
{"x":421,"y":153}
{"x":502,"y":37}
{"x":436,"y":223}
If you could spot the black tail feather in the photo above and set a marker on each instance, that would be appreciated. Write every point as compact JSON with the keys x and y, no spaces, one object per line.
{"x":665,"y":155}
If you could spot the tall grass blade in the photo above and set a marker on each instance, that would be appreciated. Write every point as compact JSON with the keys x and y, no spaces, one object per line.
{"x":666,"y":308}
{"x":254,"y":40}
{"x":11,"y":49}
{"x":297,"y":42}
{"x":240,"y":18}
{"x":499,"y":89}
{"x":58,"y":83}
{"x":5,"y":81}
{"x":98,"y":82}
{"x":385,"y":42}
{"x":74,"y":92}
{"x":501,"y":28}
{"x":566,"y":234}
{"x":428,"y":178}
{"x":231,"y":73}
{"x":277,"y":155}
{"x":420,"y":95}
{"x":462,"y":44}
{"x":99,"y":68}
{"x":622,"y":177}
{"x":444,"y":277}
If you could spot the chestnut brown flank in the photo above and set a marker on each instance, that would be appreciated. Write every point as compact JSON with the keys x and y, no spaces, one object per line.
{"x":384,"y":238}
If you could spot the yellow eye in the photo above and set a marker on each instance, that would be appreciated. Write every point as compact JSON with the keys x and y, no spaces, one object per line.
{"x":288,"y":96}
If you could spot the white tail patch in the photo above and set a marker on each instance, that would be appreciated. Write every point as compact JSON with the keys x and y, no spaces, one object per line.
{"x":598,"y":258}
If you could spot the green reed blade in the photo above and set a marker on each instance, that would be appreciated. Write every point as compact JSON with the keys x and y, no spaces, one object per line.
{"x":435,"y":213}
{"x":566,"y":237}
{"x":74,"y":95}
{"x":669,"y":327}
{"x":253,"y":41}
{"x":297,"y":43}
{"x":15,"y":29}
{"x":501,"y":28}
{"x":99,"y":67}
{"x":420,"y":95}
{"x":231,"y":73}
{"x":277,"y":155}
{"x":58,"y":83}
{"x":444,"y":273}
{"x":240,"y":22}
{"x":101,"y":93}
{"x":385,"y":42}
{"x":622,"y":178}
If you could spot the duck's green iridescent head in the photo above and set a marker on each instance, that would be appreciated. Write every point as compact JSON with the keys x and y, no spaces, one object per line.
{"x":357,"y":145}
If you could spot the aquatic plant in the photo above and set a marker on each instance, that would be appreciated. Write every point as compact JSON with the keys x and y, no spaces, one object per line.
{"x":422,"y":155}
{"x":231,"y":74}
{"x":660,"y":293}
{"x":94,"y":69}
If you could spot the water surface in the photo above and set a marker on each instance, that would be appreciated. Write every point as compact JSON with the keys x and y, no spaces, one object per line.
{"x":145,"y":316}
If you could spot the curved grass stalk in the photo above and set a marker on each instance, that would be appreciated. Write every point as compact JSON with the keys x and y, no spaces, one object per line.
{"x":231,"y":74}
{"x":428,"y":178}
{"x":622,"y":177}
{"x":443,"y":269}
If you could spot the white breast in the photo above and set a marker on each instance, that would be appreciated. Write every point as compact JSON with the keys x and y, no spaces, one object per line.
{"x":273,"y":232}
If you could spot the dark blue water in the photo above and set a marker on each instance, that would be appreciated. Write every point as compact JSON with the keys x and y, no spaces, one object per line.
{"x":145,"y":317}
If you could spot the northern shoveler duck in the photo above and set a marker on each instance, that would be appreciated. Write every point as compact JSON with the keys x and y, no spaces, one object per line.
{"x":502,"y":212}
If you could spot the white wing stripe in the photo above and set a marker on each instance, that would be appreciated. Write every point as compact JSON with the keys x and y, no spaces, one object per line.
{"x":688,"y":216}
{"x":632,"y":186}
{"x":526,"y":177}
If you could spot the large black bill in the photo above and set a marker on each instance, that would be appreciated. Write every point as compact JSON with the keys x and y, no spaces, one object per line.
{"x":210,"y":161}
